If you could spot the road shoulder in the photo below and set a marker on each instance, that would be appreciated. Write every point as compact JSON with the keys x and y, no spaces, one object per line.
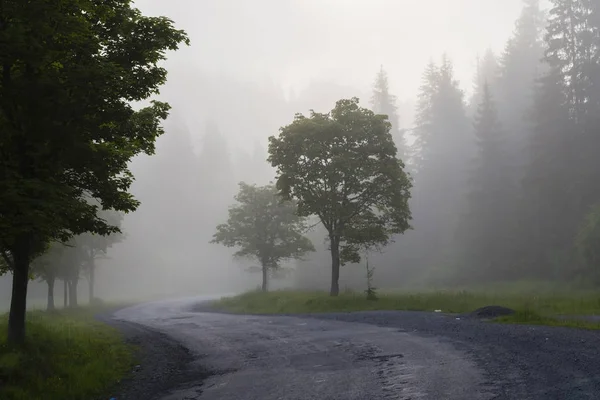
{"x":162,"y":364}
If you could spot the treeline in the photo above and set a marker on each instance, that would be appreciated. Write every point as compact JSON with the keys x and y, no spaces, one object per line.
{"x":69,"y":261}
{"x":505,"y":182}
{"x":76,"y":259}
{"x":509,"y":189}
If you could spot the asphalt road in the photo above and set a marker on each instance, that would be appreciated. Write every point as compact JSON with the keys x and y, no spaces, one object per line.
{"x":372,"y":356}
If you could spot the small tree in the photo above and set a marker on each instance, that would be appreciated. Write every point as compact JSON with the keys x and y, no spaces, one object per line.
{"x":264,"y":228}
{"x":342,"y":166}
{"x":371,"y":290}
{"x":47,"y":267}
{"x":96,"y":246}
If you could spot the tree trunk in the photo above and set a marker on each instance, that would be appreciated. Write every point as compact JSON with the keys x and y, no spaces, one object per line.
{"x":50,"y":304}
{"x":91,"y":280}
{"x":335,"y":265}
{"x":18,"y":301}
{"x":65,"y":293}
{"x":73,"y":293}
{"x":265,"y":277}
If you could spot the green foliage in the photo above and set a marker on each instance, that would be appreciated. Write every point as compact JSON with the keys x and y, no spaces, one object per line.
{"x":70,"y":71}
{"x":342,"y":167}
{"x":68,"y":127}
{"x":69,"y":355}
{"x":264,"y":227}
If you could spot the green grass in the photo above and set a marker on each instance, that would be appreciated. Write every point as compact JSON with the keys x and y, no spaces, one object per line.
{"x":68,"y":356}
{"x":532,"y":308}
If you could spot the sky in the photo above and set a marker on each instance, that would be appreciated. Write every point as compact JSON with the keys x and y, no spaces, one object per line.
{"x":291,"y":42}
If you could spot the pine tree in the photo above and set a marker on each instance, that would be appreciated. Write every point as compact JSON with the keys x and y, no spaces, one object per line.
{"x":564,"y":170}
{"x":487,"y":74}
{"x":486,"y":226}
{"x":548,"y":207}
{"x":424,"y":116}
{"x":383,"y":102}
{"x":520,"y":67}
{"x":443,"y":146}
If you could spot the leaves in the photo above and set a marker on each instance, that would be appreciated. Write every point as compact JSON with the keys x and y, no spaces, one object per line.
{"x":70,"y":70}
{"x":264,"y":227}
{"x":342,"y":167}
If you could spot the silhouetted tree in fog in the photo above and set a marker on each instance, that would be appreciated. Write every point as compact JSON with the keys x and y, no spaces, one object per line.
{"x":485,"y":76}
{"x":264,"y":228}
{"x":95,"y":247}
{"x":383,"y":102}
{"x":47,"y":267}
{"x":216,"y":171}
{"x":444,"y":146}
{"x":486,"y":225}
{"x":564,"y":171}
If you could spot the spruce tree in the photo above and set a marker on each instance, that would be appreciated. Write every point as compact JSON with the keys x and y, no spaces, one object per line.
{"x":486,"y":226}
{"x":383,"y":102}
{"x":520,"y":67}
{"x":486,"y":74}
{"x":443,"y":146}
{"x":564,"y":170}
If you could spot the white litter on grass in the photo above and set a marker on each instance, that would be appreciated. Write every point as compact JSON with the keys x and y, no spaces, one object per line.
{"x":437,"y":310}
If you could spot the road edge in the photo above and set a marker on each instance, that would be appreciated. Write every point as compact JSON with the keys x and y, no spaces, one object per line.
{"x":162,"y":365}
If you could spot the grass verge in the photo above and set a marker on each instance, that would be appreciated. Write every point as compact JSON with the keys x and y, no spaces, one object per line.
{"x":538,"y":309}
{"x":68,"y":356}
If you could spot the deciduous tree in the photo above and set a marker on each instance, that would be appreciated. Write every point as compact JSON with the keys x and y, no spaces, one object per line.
{"x":47,"y":267}
{"x":96,"y":246}
{"x":342,"y":166}
{"x":265,"y":228}
{"x":70,"y":71}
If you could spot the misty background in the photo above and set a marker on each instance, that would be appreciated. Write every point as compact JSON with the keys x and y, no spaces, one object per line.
{"x":253,"y":64}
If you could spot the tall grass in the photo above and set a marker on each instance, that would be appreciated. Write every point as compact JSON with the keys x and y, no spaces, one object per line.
{"x":68,"y":355}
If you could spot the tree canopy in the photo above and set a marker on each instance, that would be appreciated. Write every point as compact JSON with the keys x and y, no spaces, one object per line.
{"x":70,"y":70}
{"x":265,"y":228}
{"x":342,"y":166}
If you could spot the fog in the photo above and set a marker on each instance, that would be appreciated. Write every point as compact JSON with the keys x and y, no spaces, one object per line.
{"x":250,"y":67}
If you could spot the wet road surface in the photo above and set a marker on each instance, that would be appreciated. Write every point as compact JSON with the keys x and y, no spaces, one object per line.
{"x":373,"y":355}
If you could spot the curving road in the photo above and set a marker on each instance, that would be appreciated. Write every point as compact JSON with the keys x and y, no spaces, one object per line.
{"x":372,"y":356}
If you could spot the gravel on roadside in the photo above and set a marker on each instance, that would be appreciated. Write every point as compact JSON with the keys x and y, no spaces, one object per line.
{"x":162,"y":365}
